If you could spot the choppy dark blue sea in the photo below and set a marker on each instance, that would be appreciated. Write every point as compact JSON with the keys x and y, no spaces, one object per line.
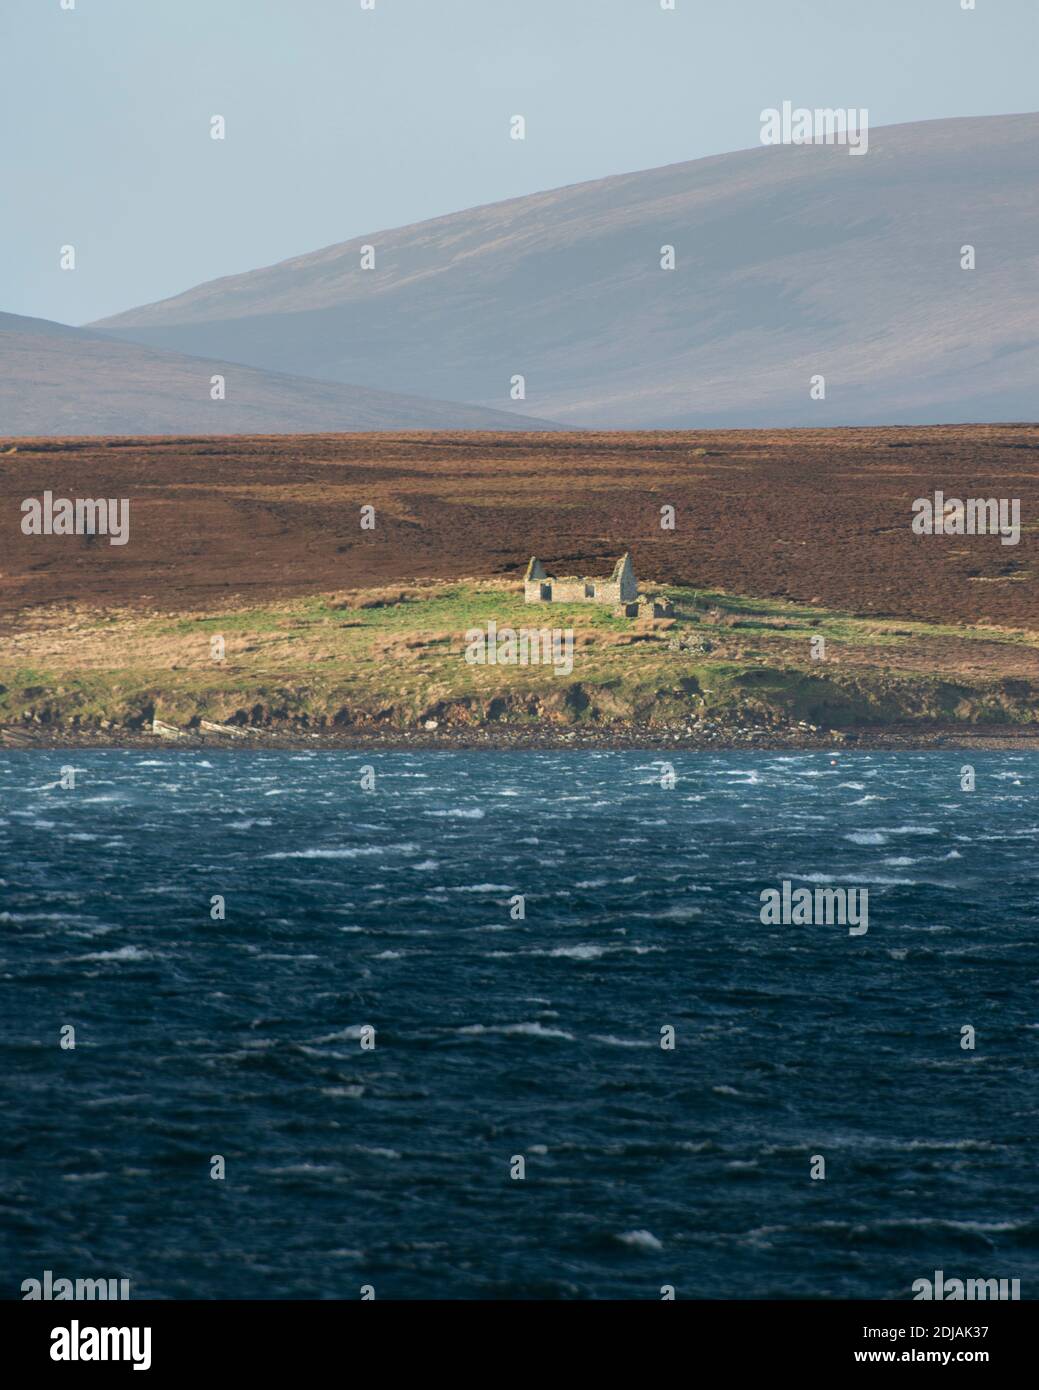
{"x":498,"y":1036}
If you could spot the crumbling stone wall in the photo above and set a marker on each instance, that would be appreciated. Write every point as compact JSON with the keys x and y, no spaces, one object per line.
{"x":541,"y":587}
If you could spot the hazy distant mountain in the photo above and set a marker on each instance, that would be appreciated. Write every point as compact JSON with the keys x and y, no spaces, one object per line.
{"x":56,"y":380}
{"x":791,"y":261}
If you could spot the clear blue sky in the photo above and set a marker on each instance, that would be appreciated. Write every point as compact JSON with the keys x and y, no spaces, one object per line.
{"x":341,"y":122}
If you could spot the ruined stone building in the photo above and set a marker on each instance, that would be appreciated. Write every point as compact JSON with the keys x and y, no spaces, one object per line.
{"x":620,"y":590}
{"x":540,"y":587}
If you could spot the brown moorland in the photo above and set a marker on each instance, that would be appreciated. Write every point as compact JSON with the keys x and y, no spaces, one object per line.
{"x":815,"y":516}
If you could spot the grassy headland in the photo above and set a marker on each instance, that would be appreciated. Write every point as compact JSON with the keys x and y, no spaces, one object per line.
{"x":390,"y":664}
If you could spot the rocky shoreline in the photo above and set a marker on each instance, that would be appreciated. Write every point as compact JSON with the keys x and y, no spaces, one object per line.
{"x":542,"y":737}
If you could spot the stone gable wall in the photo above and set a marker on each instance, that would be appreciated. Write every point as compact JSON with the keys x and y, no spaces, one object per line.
{"x":620,"y":587}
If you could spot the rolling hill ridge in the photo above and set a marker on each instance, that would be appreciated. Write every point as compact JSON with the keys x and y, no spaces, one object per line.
{"x":790,"y":261}
{"x":59,"y":381}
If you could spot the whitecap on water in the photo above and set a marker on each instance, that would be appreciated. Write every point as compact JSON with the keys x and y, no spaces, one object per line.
{"x":123,"y":953}
{"x":325,"y":853}
{"x":640,"y":1240}
{"x":483,"y":888}
{"x":526,"y":1030}
{"x":574,"y":952}
{"x":349,"y":1034}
